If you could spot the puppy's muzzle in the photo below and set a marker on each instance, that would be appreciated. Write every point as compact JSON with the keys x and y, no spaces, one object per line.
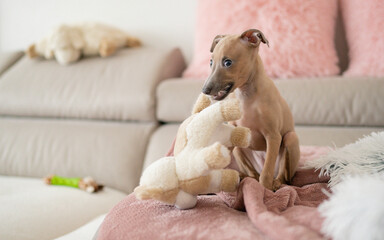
{"x":219,"y":93}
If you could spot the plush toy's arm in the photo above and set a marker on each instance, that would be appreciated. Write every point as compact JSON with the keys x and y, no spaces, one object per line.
{"x":201,"y":103}
{"x":231,"y":136}
{"x":40,"y":49}
{"x":240,"y":137}
{"x":201,"y":128}
{"x":192,"y":163}
{"x":225,"y":180}
{"x":215,"y":156}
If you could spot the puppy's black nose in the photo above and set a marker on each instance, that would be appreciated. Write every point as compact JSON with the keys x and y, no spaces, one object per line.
{"x":207,"y":90}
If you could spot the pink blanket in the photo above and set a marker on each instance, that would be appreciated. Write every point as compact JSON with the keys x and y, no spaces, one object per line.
{"x":252,"y":213}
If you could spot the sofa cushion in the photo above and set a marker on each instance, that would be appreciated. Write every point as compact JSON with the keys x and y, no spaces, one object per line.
{"x":318,"y":101}
{"x":32,"y":210}
{"x":87,"y":231}
{"x":110,"y":152}
{"x":366,"y":45}
{"x":120,"y":87}
{"x":300,"y":34}
{"x":331,"y":136}
{"x":7,"y":59}
{"x":175,"y":98}
{"x":160,"y":143}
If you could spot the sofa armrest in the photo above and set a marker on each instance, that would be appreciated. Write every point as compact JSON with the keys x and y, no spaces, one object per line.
{"x":175,"y":99}
{"x":7,"y":59}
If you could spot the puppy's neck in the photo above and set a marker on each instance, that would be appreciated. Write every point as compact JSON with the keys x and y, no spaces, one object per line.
{"x":257,"y":81}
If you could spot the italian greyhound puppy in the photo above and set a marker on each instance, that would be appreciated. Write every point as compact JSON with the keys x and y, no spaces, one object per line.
{"x":237,"y":67}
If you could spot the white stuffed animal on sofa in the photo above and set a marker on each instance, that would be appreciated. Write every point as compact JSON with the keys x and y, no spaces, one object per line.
{"x":67,"y":43}
{"x":201,"y":154}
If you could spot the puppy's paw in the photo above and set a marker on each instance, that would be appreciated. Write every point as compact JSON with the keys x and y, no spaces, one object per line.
{"x":276,"y":184}
{"x":267,"y":182}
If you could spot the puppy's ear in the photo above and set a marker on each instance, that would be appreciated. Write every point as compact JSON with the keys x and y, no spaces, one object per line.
{"x":215,"y":41}
{"x":254,"y":37}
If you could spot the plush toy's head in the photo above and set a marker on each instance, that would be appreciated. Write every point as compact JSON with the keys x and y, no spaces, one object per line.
{"x":64,"y":43}
{"x":201,"y":154}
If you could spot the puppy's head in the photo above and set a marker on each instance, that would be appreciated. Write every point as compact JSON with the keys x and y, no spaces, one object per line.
{"x":233,"y":62}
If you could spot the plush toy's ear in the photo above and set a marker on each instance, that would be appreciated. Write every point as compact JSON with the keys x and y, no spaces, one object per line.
{"x":216,"y":40}
{"x":202,"y":102}
{"x":253,"y":37}
{"x":31,"y":51}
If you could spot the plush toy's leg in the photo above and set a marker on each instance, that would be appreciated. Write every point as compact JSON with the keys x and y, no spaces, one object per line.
{"x":225,"y":180}
{"x":216,"y":156}
{"x":132,"y":42}
{"x":167,"y":196}
{"x":106,"y":48}
{"x":31,"y":51}
{"x":185,"y":200}
{"x":229,"y":180}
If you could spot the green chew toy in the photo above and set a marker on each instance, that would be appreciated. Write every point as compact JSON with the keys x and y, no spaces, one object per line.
{"x":70,"y":182}
{"x":86,"y":184}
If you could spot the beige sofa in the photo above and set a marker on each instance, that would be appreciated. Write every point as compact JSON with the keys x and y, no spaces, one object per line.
{"x":93,"y":118}
{"x":110,"y":118}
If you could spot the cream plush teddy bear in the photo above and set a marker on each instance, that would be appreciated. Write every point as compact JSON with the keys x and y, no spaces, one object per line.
{"x":67,"y":43}
{"x":201,"y":153}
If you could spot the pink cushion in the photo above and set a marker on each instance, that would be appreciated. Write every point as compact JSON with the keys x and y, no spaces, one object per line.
{"x":300,"y":34}
{"x":363,"y":22}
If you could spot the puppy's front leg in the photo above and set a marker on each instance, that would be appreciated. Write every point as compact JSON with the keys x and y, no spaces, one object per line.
{"x":267,"y":174}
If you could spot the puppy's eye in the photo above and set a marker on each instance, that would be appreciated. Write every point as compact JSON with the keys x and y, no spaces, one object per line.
{"x":227,"y":62}
{"x":210,"y":63}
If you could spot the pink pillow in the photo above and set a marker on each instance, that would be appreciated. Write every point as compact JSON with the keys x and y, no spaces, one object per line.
{"x":364,"y":25}
{"x":300,"y":34}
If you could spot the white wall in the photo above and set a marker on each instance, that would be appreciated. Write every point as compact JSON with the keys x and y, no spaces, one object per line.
{"x":156,"y":22}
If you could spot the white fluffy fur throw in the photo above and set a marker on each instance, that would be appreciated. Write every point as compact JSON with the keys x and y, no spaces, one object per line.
{"x":355,"y":210}
{"x":366,"y":156}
